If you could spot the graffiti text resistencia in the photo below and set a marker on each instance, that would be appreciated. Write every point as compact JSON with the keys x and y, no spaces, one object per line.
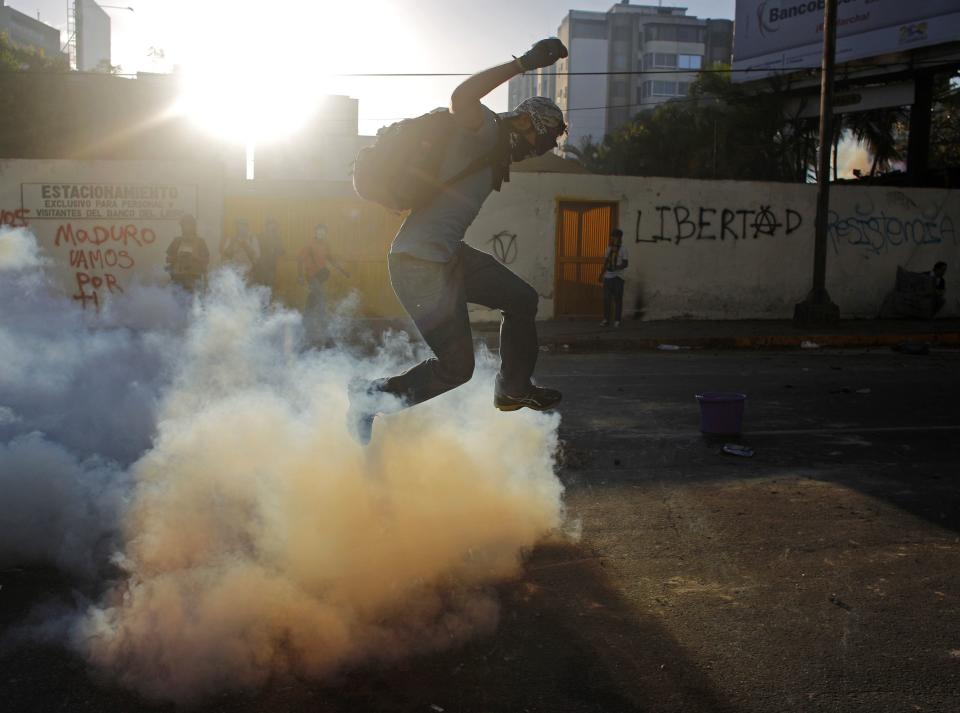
{"x":875,"y":231}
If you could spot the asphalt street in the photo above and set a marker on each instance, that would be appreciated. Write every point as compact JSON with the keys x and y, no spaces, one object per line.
{"x":822,"y":574}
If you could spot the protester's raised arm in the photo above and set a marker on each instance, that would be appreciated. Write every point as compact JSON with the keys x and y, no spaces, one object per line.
{"x":465,"y":100}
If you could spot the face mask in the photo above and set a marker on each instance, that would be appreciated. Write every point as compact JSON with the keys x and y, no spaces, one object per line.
{"x":545,"y":143}
{"x":521,"y":149}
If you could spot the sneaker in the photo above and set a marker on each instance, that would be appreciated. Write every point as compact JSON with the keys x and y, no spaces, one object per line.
{"x":538,"y":398}
{"x":362,"y":409}
{"x":604,"y":323}
{"x":616,"y":324}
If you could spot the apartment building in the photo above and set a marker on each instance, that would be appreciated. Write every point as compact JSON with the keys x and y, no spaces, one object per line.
{"x":24,"y":31}
{"x":644,"y":55}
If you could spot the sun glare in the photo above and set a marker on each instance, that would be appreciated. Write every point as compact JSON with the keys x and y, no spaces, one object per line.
{"x":260,"y":75}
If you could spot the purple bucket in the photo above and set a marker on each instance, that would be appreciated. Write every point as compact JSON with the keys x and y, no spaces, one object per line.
{"x":721,"y":412}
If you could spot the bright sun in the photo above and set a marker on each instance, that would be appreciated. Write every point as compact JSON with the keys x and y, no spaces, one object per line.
{"x":256,"y":75}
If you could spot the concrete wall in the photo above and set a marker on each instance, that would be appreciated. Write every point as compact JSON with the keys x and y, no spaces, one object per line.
{"x":698,"y":249}
{"x":98,"y":246}
{"x":727,"y":249}
{"x":359,"y":238}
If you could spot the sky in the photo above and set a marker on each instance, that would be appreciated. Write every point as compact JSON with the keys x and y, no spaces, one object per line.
{"x":294,"y":45}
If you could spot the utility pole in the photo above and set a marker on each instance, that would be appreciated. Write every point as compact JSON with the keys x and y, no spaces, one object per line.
{"x":818,"y":307}
{"x":78,"y":34}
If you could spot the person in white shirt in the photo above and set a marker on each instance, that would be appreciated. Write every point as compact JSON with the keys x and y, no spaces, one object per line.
{"x":614,"y":263}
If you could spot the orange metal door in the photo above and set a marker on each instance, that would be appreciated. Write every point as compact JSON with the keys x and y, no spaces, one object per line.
{"x":583,"y":230}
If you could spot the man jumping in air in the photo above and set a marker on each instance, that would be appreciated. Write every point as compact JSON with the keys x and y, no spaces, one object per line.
{"x":435,"y":274}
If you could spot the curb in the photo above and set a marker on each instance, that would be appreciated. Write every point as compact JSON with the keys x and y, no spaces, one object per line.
{"x":830,"y":341}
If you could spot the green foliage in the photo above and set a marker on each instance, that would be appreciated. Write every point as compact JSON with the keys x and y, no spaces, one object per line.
{"x":14,"y":58}
{"x":883,"y":132}
{"x":720,"y":130}
{"x":945,"y":123}
{"x":104,"y":67}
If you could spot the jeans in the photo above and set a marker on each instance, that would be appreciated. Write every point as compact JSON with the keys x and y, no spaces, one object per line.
{"x":613,"y":293}
{"x":435,"y":295}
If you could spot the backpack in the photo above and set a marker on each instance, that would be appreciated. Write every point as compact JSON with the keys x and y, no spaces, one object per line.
{"x":400,"y":171}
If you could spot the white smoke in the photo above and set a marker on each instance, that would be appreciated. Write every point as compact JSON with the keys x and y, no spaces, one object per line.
{"x":212,"y":463}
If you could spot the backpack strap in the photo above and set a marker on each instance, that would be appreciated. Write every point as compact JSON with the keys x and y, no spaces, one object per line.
{"x":494,"y":157}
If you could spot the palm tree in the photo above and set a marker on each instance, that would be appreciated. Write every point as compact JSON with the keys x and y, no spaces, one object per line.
{"x":881,"y":133}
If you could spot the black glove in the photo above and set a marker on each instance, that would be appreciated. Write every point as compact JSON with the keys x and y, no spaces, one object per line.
{"x":543,"y":54}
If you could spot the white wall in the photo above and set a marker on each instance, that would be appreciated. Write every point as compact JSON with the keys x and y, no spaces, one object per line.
{"x":753,"y":256}
{"x":97,"y":247}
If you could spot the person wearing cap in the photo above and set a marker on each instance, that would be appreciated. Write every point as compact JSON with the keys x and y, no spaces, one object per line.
{"x":187,"y":256}
{"x":614,"y":263}
{"x":435,"y":274}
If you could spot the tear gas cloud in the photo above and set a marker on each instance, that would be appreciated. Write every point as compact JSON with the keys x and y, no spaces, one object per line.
{"x":194,"y":448}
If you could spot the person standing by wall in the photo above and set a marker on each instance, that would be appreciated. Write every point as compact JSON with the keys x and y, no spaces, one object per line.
{"x":271,"y":250}
{"x":240,"y":250}
{"x":939,"y":285}
{"x":188,"y":257}
{"x":435,"y":274}
{"x":313,"y":271}
{"x":614,"y":263}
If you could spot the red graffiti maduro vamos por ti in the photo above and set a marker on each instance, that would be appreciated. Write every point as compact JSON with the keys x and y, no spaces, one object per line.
{"x":126,"y":235}
{"x":15,"y":218}
{"x":87,"y":255}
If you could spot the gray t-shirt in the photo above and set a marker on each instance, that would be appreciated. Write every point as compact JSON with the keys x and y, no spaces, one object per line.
{"x":435,"y":231}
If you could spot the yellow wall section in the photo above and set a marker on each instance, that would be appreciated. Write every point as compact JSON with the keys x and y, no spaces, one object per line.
{"x":359,"y":234}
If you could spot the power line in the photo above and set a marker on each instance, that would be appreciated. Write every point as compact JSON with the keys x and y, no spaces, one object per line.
{"x":628,"y":72}
{"x":672,"y":101}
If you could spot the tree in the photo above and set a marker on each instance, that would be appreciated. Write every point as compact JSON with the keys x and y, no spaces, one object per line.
{"x":104,"y":67}
{"x":720,"y":130}
{"x":882,"y":132}
{"x":14,"y":58}
{"x":945,"y":123}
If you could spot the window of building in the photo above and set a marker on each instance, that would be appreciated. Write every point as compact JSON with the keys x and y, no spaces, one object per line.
{"x":663,"y":88}
{"x":653,"y":60}
{"x":689,"y":61}
{"x":664,"y":33}
{"x":660,"y":59}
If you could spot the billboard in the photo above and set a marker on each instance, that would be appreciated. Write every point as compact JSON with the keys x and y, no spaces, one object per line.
{"x":783,"y":35}
{"x":93,"y":35}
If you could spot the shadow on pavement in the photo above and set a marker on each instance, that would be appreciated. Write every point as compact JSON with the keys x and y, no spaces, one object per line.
{"x":567,"y":643}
